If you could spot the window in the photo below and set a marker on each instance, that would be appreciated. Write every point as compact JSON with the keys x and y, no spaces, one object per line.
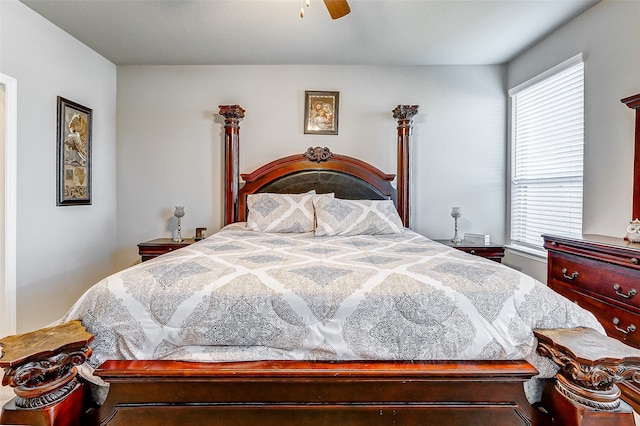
{"x":547,"y":150}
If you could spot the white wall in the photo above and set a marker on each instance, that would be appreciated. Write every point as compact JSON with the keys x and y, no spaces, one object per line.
{"x":61,"y":250}
{"x":608,"y":35}
{"x":170,"y":138}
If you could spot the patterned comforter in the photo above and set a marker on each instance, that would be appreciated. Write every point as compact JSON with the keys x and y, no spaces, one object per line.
{"x":242,"y":295}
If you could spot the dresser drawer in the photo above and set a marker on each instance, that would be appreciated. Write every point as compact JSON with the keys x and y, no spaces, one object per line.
{"x":154,"y":248}
{"x":490,"y":251}
{"x":494,"y":253}
{"x":608,"y":282}
{"x":619,"y":323}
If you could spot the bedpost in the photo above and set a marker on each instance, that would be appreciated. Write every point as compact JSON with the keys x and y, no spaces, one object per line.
{"x":585,"y":391}
{"x":40,"y":366}
{"x":404,"y":115}
{"x":634,"y":103}
{"x":232,"y":115}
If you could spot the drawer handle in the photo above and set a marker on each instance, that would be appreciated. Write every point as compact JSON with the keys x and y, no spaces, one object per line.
{"x":472,"y":251}
{"x":629,"y":294}
{"x":573,"y":275}
{"x":634,"y":260}
{"x":630,"y":328}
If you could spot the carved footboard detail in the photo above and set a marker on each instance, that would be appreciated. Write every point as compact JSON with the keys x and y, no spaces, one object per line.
{"x":591,"y":364}
{"x":41,"y":368}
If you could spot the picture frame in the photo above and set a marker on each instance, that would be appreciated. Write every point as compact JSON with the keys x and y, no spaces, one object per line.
{"x":74,"y":124}
{"x":321,"y":112}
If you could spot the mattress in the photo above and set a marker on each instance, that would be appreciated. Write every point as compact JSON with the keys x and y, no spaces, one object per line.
{"x":243,"y":295}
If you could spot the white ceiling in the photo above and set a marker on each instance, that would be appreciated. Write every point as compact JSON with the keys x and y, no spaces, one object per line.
{"x":376,"y":32}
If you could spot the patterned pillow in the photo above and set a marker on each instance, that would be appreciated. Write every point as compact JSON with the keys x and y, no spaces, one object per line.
{"x":280,"y":212}
{"x":335,"y":216}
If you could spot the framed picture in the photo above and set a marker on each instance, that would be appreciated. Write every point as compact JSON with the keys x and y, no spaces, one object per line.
{"x":74,"y":153}
{"x":321,"y":112}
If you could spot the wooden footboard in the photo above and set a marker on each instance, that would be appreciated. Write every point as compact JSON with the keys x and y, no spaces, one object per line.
{"x":42,"y":372}
{"x":315,"y":393}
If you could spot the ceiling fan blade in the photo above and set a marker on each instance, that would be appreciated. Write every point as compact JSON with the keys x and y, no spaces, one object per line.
{"x":337,"y":8}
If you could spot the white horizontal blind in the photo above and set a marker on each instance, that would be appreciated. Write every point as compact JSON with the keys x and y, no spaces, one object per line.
{"x":547,"y":150}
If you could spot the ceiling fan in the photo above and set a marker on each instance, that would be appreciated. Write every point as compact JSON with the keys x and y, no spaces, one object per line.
{"x":337,"y":8}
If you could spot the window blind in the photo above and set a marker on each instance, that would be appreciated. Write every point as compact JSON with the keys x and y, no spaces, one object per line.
{"x":547,"y":151}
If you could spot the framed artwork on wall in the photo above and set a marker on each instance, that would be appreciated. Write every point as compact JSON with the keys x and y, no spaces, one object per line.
{"x":321,"y":112}
{"x":74,"y":153}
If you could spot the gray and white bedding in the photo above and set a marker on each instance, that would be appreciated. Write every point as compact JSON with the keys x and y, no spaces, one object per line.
{"x":244,"y":295}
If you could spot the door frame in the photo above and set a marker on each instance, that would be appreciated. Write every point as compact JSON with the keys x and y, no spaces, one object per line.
{"x":8,"y":289}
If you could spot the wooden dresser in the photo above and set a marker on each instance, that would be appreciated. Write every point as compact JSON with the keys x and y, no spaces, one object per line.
{"x":601,"y":274}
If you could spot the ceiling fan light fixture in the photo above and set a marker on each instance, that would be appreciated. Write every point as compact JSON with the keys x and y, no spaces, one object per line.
{"x":306,"y":3}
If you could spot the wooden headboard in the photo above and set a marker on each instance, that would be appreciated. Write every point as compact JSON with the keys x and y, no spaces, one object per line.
{"x":318,"y":168}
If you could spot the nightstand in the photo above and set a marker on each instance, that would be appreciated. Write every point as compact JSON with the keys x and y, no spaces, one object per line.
{"x":490,"y":251}
{"x":154,"y":248}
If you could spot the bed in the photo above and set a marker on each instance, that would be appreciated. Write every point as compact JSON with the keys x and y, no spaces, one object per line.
{"x":313,"y":305}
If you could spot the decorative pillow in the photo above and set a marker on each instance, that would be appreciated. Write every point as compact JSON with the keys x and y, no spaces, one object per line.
{"x":335,"y":216}
{"x":281,"y":212}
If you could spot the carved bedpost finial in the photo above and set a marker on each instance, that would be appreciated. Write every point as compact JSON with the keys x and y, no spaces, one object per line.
{"x":232,"y":114}
{"x":318,"y":154}
{"x":404,"y":114}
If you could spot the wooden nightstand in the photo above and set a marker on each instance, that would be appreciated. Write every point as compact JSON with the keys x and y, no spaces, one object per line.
{"x":154,"y":248}
{"x":490,"y":251}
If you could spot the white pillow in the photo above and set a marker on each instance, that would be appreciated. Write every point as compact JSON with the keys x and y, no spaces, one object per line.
{"x":288,"y":213}
{"x":335,"y":216}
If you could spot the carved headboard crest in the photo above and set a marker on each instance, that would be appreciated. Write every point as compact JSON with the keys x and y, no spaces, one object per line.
{"x":318,"y":154}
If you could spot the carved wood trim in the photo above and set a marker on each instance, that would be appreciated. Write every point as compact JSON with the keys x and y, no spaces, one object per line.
{"x":590,"y":365}
{"x":404,"y":115}
{"x":633,"y":102}
{"x":318,"y":154}
{"x":301,"y":162}
{"x":41,"y":366}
